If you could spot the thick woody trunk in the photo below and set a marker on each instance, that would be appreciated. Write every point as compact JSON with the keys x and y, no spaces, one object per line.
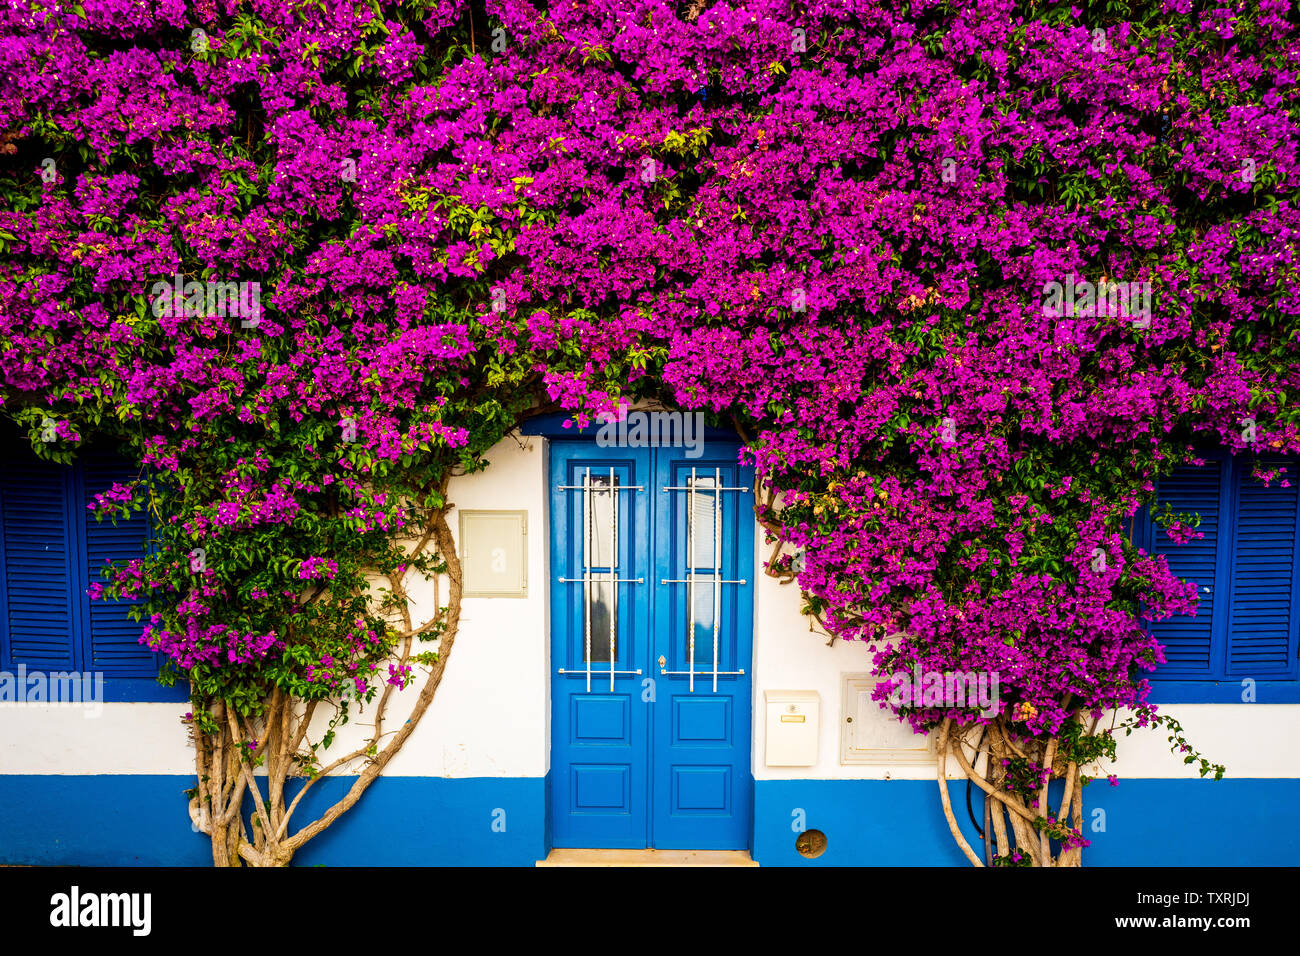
{"x":1012,"y":817}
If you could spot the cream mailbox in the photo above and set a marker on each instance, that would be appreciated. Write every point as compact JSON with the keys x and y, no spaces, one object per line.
{"x":792,"y":727}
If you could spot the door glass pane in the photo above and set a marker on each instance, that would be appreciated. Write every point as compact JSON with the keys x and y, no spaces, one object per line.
{"x":602,"y":538}
{"x":702,"y":621}
{"x":702,"y":556}
{"x":601,"y":551}
{"x":604,"y":616}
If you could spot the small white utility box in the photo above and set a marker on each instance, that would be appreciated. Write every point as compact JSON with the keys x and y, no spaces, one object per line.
{"x":494,"y":554}
{"x":793,"y":723}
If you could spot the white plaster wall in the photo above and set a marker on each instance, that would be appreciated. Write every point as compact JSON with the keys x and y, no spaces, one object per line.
{"x":490,"y":716}
{"x":124,"y":738}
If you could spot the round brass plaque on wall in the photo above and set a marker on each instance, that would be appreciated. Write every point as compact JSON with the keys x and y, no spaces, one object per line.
{"x":810,"y":843}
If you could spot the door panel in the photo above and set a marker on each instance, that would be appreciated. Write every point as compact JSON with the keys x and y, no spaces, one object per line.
{"x":599,"y":725}
{"x":701,"y":771}
{"x":654,"y":755}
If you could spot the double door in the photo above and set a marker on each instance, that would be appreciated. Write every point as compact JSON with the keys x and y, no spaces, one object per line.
{"x":652,"y":564}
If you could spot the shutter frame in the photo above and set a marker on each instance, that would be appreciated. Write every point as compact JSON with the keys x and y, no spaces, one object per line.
{"x":110,"y":637}
{"x":23,"y":475}
{"x":33,"y":497}
{"x":1194,"y":645}
{"x":1264,"y":601}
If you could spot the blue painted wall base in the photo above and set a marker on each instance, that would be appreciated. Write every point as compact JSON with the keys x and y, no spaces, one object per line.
{"x":1247,"y":822}
{"x":140,"y":820}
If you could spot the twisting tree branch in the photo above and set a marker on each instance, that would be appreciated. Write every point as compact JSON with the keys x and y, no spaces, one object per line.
{"x":281,"y":729}
{"x":947,"y":803}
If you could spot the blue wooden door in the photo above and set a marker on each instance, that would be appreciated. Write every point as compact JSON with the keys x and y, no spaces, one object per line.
{"x":650,"y":730}
{"x":703,"y":638}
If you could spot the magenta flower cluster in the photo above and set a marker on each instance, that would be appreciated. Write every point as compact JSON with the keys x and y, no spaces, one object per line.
{"x":830,"y":223}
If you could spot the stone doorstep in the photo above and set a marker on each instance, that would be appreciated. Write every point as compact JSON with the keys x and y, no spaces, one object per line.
{"x":568,"y":857}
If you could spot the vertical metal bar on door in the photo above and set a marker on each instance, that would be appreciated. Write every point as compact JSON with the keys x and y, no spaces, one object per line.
{"x":586,"y":571}
{"x":717,"y":567}
{"x":690,"y":577}
{"x":613,"y":574}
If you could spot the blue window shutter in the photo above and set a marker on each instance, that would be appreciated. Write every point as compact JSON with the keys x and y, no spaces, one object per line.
{"x":112,"y":638}
{"x":39,"y":572}
{"x":1192,"y":646}
{"x":1263,"y":622}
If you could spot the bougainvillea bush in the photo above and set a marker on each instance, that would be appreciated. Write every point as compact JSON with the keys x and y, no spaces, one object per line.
{"x":968,"y":277}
